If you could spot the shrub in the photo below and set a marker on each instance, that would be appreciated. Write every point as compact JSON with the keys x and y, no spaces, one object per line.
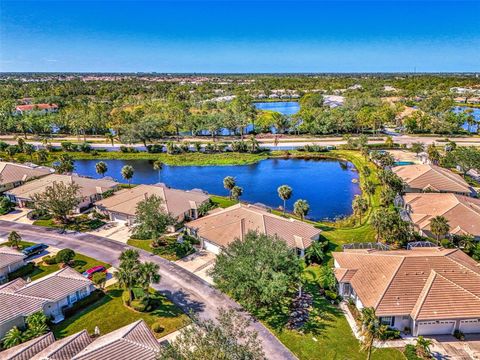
{"x":239,"y":146}
{"x":99,"y":278}
{"x":183,"y":249}
{"x":68,"y":146}
{"x":157,"y":327}
{"x":446,"y":243}
{"x":83,"y":303}
{"x":331,"y":295}
{"x":5,"y":205}
{"x":124,"y":149}
{"x":38,"y":214}
{"x":139,"y":305}
{"x":23,"y":271}
{"x":155,"y":148}
{"x":3,"y":145}
{"x":65,"y":256}
{"x":389,"y":334}
{"x":85,"y":147}
{"x":459,"y":335}
{"x":50,"y":260}
{"x":411,"y":353}
{"x":107,"y":193}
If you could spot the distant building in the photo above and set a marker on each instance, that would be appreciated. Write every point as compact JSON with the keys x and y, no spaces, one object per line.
{"x":38,"y":108}
{"x":10,"y":260}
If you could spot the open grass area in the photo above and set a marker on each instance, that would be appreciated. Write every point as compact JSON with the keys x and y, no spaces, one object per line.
{"x":84,"y":225}
{"x":222,"y":201}
{"x":109,"y":313}
{"x":81,"y":264}
{"x":167,"y":251}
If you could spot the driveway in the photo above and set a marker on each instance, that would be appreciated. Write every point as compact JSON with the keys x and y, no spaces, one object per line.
{"x":185,"y":289}
{"x":113,"y":230}
{"x":448,"y":347}
{"x":199,"y":263}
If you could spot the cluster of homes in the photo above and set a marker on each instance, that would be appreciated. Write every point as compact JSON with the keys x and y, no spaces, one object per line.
{"x":425,"y":290}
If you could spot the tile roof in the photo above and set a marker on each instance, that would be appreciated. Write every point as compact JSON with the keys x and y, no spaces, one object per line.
{"x":11,"y":172}
{"x":28,"y":349}
{"x":21,"y":298}
{"x":134,"y":341}
{"x":176,"y":202}
{"x":30,"y":107}
{"x":88,"y":186}
{"x":423,"y":282}
{"x":436,"y":178}
{"x":462,"y":212}
{"x":66,"y":348}
{"x":223,"y":227}
{"x":9,"y":256}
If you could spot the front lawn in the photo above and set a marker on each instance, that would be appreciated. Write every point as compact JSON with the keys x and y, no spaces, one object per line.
{"x":81,"y":264}
{"x":109,"y":313}
{"x":75,"y":225}
{"x":170,"y":250}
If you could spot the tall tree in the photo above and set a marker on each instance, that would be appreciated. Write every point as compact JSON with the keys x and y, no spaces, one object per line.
{"x":301,"y":208}
{"x":64,"y":164}
{"x":284,"y":193}
{"x":229,"y":184}
{"x":14,"y":239}
{"x":58,"y":199}
{"x":101,"y":168}
{"x":127,"y":272}
{"x":359,"y":206}
{"x":151,"y":219}
{"x":127,"y":173}
{"x":148,"y":273}
{"x":439,"y":227}
{"x":237,"y":191}
{"x":370,"y":329}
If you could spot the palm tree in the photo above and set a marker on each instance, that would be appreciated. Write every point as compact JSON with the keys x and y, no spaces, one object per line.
{"x":37,"y":325}
{"x":284,"y":193}
{"x":359,"y":206}
{"x":129,"y":255}
{"x":301,"y":208}
{"x":101,"y":168}
{"x":127,"y":272}
{"x":157,"y":165}
{"x":110,"y":138}
{"x":41,"y":155}
{"x":316,"y":252}
{"x":439,"y":227}
{"x":229,"y":184}
{"x":254,"y":144}
{"x":12,"y":338}
{"x":127,"y":173}
{"x":370,"y":328}
{"x":423,"y":347}
{"x":148,"y":274}
{"x":14,"y":239}
{"x":237,"y":191}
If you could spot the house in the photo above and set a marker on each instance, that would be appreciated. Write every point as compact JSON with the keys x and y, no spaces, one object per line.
{"x":220,"y":228}
{"x":38,"y":108}
{"x":424,"y":291}
{"x":90,"y":189}
{"x":431,"y":178}
{"x":50,"y":294}
{"x":134,"y":341}
{"x":178,"y":203}
{"x":13,"y":175}
{"x":462,"y":212}
{"x":10,"y":260}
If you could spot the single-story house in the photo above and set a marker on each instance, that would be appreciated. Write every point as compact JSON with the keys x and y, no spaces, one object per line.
{"x":38,"y":108}
{"x":10,"y":260}
{"x":462,"y":212}
{"x":50,"y":294}
{"x":179,"y":203}
{"x":134,"y":341}
{"x":13,"y":175}
{"x":220,"y":228}
{"x":432,"y":178}
{"x":90,"y":189}
{"x":424,"y":291}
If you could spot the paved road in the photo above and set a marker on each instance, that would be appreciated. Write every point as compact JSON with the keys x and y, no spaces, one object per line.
{"x":182,"y":287}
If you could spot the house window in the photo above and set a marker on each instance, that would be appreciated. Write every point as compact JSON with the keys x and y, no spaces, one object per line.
{"x":386,"y":320}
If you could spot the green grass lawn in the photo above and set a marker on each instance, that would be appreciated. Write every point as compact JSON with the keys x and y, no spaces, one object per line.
{"x":109,"y":313}
{"x":168,"y":251}
{"x":222,"y":201}
{"x":82,"y":263}
{"x":87,"y":225}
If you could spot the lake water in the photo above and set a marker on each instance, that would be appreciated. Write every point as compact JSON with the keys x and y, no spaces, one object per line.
{"x":475,"y":113}
{"x":283,"y":107}
{"x":326,"y":184}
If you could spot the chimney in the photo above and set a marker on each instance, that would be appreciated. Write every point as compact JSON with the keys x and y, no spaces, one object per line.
{"x":24,"y":177}
{"x":98,"y":189}
{"x":193,"y":204}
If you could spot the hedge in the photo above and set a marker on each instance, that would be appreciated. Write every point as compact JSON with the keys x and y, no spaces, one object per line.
{"x":23,"y":271}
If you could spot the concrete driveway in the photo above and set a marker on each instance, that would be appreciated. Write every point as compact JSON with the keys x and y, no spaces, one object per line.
{"x":199,"y":263}
{"x":18,"y":215}
{"x":448,"y":347}
{"x":113,"y":230}
{"x":182,"y":287}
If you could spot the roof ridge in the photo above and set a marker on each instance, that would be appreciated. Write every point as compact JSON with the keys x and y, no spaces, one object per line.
{"x":460,"y":287}
{"x":460,"y":264}
{"x":423,"y":294}
{"x":390,"y":282}
{"x":449,"y":175}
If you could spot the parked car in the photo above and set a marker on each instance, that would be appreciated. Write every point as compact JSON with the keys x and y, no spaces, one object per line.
{"x":89,"y":273}
{"x":34,"y":249}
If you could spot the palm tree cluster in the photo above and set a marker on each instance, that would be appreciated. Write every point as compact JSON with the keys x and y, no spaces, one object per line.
{"x":36,"y":326}
{"x":132,"y":273}
{"x":235,"y":191}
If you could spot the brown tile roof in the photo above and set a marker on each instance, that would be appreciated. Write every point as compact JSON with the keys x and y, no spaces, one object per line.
{"x":88,"y":187}
{"x":28,"y":349}
{"x":223,"y":227}
{"x":9,"y":256}
{"x":436,"y":178}
{"x":423,"y":282}
{"x":462,"y":212}
{"x":175,"y":202}
{"x":66,"y":348}
{"x":134,"y":341}
{"x":20,"y":298}
{"x":11,"y":172}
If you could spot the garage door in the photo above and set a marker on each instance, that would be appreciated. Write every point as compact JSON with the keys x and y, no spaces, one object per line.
{"x":435,"y":327}
{"x":211,"y":247}
{"x":470,"y":326}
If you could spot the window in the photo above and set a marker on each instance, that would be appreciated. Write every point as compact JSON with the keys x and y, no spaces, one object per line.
{"x":386,"y":320}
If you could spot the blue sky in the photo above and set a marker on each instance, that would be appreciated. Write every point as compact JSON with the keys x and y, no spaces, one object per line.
{"x":240,"y":36}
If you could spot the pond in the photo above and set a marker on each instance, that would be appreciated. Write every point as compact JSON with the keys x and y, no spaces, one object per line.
{"x":476,"y":115}
{"x":283,"y":107}
{"x":328,"y":185}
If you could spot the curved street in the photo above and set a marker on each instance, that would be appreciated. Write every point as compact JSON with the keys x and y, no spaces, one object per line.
{"x":185,"y":289}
